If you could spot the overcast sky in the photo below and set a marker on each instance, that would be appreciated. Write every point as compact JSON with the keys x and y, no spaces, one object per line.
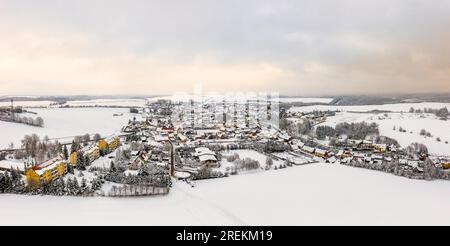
{"x":295,"y":47}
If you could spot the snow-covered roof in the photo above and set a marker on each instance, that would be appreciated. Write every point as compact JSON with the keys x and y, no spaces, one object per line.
{"x":49,"y":167}
{"x":203,"y":151}
{"x":332,"y":159}
{"x":379,"y":157}
{"x":308,"y":149}
{"x":6,"y":164}
{"x":358,"y":155}
{"x":413,"y":163}
{"x":207,"y":157}
{"x":321,"y":151}
{"x":160,"y":138}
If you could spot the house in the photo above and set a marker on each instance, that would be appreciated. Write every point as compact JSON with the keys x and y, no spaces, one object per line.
{"x":143,"y":139}
{"x":113,"y":143}
{"x":343,"y":154}
{"x":413,"y":163}
{"x":182,"y":137}
{"x":308,"y":149}
{"x":380,"y":147}
{"x":377,"y":157}
{"x":368,"y":159}
{"x":346,"y":160}
{"x":321,"y":153}
{"x":140,"y":158}
{"x":162,"y":138}
{"x":354,"y":142}
{"x":206,"y":156}
{"x":284,"y":136}
{"x":93,"y":153}
{"x":393,"y":148}
{"x":332,"y":159}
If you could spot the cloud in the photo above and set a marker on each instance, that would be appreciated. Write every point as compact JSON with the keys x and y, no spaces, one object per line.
{"x":293,"y":47}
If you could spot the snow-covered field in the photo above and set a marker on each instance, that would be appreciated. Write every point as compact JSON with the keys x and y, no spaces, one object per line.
{"x":109,"y":102}
{"x":241,"y":98}
{"x":306,"y":99}
{"x":318,"y":194}
{"x":400,"y":107}
{"x":63,"y":122}
{"x":27,"y":103}
{"x":104,"y":161}
{"x":411,"y":122}
{"x":246,"y":153}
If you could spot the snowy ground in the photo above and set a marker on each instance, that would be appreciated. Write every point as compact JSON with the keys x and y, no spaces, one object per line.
{"x":411,"y":122}
{"x":109,"y":102}
{"x":400,"y":107}
{"x":296,"y":159}
{"x":306,"y":99}
{"x":104,"y":161}
{"x":62,"y":122}
{"x":28,"y":103}
{"x":246,"y":153}
{"x":318,"y":194}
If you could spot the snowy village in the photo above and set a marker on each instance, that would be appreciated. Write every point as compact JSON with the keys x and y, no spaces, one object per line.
{"x":165,"y":141}
{"x":225,"y":113}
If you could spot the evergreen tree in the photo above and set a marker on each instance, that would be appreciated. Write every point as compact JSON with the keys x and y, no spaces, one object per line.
{"x":74,"y":147}
{"x":83,"y":183}
{"x":2,"y":183}
{"x":65,"y":152}
{"x":96,"y":184}
{"x":112,"y":167}
{"x":87,"y":161}
{"x":81,"y":164}
{"x":70,"y":169}
{"x":75,"y":187}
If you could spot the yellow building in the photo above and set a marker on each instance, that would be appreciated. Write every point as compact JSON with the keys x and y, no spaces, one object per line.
{"x":102,"y":144}
{"x":46,"y":173}
{"x":93,"y":154}
{"x":114,"y":143}
{"x":321,"y":153}
{"x":73,"y":158}
{"x":110,"y":144}
{"x":380,"y":147}
{"x":33,"y":179}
